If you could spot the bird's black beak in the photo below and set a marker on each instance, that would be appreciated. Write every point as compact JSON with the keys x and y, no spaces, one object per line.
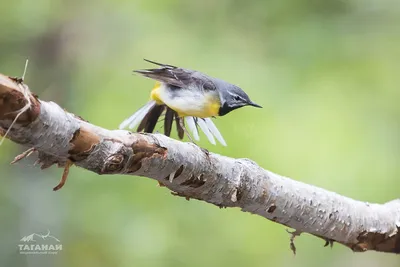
{"x":251,"y":103}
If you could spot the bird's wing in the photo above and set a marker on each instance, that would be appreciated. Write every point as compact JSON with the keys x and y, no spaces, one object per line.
{"x":135,"y":119}
{"x":179,"y":77}
{"x":150,"y":120}
{"x":206,"y":131}
{"x":190,"y":121}
{"x":180,"y":130}
{"x":168,"y":120}
{"x":214,"y":130}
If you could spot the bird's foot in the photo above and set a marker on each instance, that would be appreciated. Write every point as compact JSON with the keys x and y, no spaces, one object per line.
{"x":205,"y":151}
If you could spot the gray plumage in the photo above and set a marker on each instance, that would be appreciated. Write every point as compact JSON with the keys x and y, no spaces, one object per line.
{"x":188,"y":90}
{"x":231,"y":96}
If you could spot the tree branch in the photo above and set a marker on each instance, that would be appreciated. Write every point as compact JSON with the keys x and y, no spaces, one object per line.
{"x":63,"y":138}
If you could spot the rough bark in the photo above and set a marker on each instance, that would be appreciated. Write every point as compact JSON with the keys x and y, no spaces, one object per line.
{"x":65,"y":139}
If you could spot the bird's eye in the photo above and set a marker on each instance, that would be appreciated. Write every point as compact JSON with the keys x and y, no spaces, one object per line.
{"x":237,"y":98}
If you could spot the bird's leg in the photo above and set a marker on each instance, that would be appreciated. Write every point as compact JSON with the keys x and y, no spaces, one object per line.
{"x":190,"y":137}
{"x":186,"y":131}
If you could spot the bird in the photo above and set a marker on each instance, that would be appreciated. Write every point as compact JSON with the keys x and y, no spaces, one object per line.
{"x":186,"y":96}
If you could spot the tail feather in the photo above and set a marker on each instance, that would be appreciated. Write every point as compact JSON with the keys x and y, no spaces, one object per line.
{"x":160,"y":64}
{"x":168,"y":74}
{"x":164,"y":75}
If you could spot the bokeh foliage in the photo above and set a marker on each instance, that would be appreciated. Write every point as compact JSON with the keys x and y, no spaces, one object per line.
{"x":326,"y":73}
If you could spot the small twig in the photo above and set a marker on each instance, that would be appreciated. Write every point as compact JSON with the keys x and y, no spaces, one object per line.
{"x":329,"y":242}
{"x":26,"y":67}
{"x":23,"y":155}
{"x":180,"y":195}
{"x":25,"y":91}
{"x":64,"y":177}
{"x":292,"y":237}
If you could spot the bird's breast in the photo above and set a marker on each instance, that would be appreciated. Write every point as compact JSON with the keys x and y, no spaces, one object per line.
{"x":187,"y":102}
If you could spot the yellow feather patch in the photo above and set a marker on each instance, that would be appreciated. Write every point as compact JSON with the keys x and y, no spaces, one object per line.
{"x":213,"y":108}
{"x":209,"y":107}
{"x":155,"y":93}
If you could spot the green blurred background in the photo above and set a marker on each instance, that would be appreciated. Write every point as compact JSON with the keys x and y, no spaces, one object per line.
{"x":326,"y":72}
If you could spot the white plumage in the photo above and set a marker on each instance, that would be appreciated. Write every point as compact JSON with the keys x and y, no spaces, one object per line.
{"x":214,"y":130}
{"x":192,"y":127}
{"x":206,"y":131}
{"x":186,"y":100}
{"x":135,"y":119}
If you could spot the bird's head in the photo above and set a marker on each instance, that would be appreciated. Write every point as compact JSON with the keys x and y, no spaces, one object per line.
{"x":232,"y":97}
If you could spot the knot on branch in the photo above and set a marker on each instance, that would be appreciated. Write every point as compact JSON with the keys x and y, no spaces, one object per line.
{"x":114,"y":163}
{"x":142,"y":150}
